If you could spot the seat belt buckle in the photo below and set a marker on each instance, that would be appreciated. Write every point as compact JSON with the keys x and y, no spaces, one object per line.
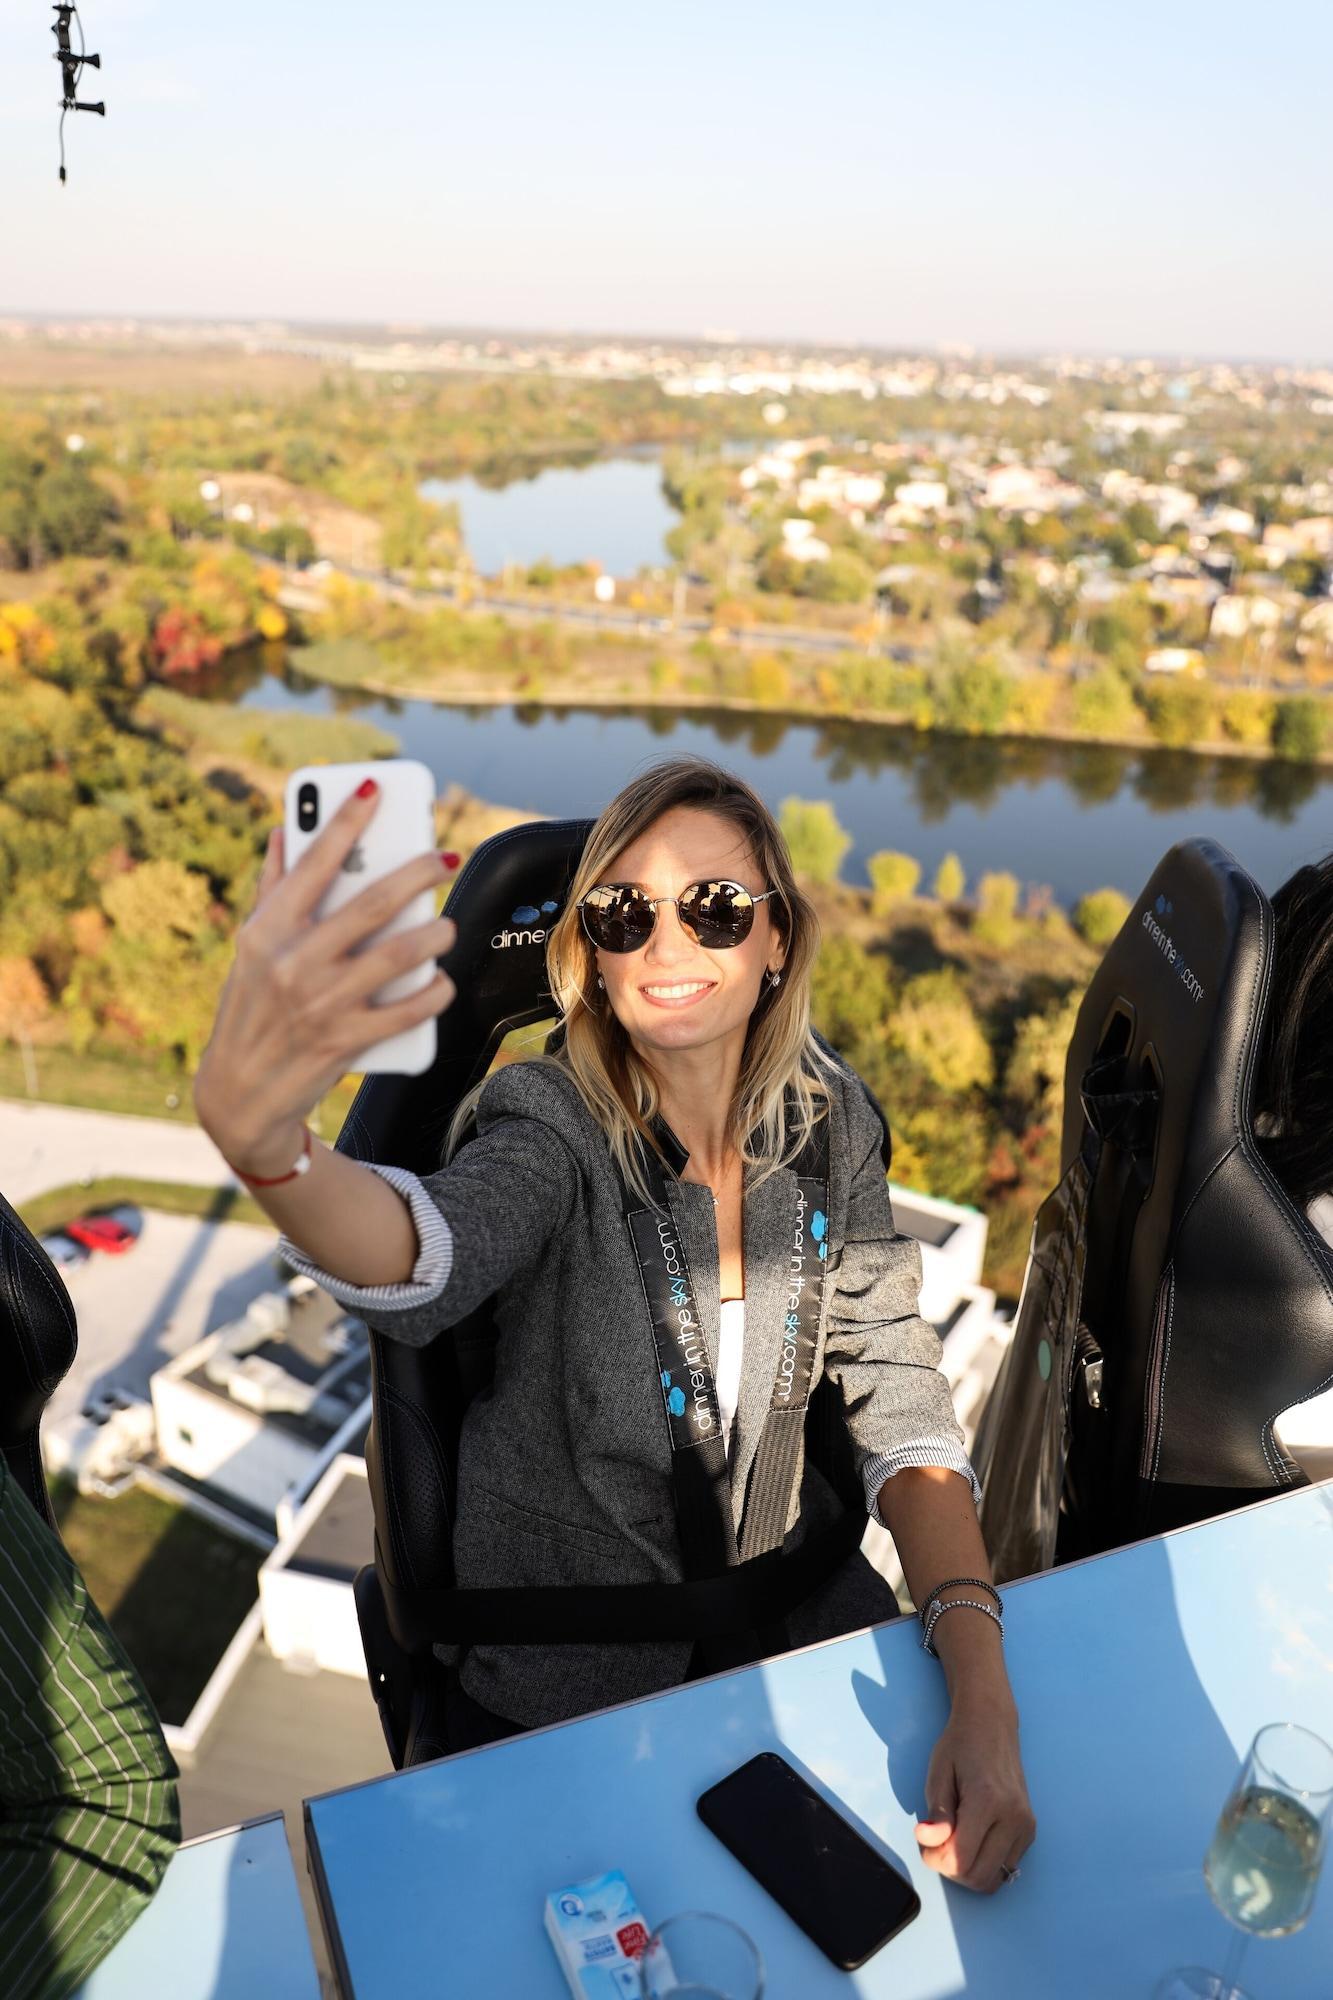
{"x":1089,"y":1357}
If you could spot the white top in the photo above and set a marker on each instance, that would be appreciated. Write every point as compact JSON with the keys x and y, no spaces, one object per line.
{"x":730,"y":1352}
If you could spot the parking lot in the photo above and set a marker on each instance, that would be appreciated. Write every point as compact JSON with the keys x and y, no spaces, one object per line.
{"x":183,"y":1277}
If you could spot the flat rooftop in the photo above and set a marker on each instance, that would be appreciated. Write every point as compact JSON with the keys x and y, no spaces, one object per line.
{"x":340,"y":1539}
{"x":323,"y":1348}
{"x":921,"y":1223}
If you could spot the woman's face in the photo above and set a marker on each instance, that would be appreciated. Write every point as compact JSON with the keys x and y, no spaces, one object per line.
{"x":672,"y":994}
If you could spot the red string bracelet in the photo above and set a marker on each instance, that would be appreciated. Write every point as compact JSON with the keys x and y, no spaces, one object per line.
{"x":302,"y":1167}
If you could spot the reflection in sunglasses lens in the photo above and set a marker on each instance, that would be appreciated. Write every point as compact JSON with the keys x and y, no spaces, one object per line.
{"x":718,"y":913}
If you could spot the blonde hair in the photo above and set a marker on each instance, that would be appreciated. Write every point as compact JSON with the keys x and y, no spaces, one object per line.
{"x":781,"y":1062}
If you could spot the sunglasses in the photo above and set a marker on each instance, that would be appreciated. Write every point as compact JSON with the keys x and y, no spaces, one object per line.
{"x":618,"y":917}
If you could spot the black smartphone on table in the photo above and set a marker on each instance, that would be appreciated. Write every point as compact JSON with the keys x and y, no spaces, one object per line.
{"x":828,"y":1878}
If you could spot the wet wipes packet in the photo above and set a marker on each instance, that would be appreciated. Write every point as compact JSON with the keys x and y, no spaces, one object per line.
{"x":599,"y":1937}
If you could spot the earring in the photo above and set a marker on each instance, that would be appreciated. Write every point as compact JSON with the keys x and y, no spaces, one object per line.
{"x":601,"y":982}
{"x":775,"y":979}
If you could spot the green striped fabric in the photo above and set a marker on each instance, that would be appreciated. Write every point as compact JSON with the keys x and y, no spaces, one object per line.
{"x":88,"y":1813}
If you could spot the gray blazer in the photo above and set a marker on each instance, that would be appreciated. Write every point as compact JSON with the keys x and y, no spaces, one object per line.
{"x":565,"y":1467}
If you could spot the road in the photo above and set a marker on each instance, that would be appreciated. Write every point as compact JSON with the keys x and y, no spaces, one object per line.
{"x":626,"y":624}
{"x":184,"y":1276}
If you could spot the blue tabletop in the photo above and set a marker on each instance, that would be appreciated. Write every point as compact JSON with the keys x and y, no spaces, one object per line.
{"x":1141,"y":1678}
{"x":226,"y":1924}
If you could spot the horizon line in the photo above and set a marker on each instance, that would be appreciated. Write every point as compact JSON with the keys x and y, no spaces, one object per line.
{"x":950,"y":350}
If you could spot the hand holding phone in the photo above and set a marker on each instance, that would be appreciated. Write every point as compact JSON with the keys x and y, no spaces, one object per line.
{"x":335,"y":967}
{"x":844,"y":1895}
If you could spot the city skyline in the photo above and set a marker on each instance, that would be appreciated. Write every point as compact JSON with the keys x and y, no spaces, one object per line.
{"x":702,"y":340}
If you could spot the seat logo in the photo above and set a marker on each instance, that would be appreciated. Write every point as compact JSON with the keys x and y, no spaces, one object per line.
{"x":525,"y":926}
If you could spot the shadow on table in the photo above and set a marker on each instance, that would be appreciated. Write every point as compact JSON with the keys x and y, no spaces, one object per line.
{"x":1154,"y":1720}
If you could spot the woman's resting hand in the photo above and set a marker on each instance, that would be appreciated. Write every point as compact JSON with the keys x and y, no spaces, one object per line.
{"x":977,"y":1797}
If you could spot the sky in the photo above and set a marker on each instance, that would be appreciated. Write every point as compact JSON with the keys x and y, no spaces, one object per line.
{"x":1146,"y":178}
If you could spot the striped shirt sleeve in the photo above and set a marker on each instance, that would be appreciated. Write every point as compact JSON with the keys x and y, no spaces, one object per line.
{"x":430,"y":1274}
{"x":88,"y":1807}
{"x":944,"y":1451}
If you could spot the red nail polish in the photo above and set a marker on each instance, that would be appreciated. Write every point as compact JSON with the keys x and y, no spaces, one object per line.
{"x":448,"y":860}
{"x":367,"y":789}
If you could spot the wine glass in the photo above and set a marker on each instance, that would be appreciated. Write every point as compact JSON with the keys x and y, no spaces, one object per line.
{"x":697,"y":1956}
{"x":1262,"y":1867}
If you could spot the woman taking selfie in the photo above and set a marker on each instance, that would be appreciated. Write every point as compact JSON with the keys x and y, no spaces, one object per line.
{"x":687,"y":1079}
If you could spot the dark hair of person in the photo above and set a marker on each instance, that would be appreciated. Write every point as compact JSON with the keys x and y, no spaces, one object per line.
{"x":1294,"y":1085}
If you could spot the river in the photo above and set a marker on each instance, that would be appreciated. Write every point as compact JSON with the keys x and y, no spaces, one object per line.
{"x":613,"y":512}
{"x":1070,"y":817}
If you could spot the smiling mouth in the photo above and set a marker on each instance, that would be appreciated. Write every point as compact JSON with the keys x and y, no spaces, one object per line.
{"x":680,"y":993}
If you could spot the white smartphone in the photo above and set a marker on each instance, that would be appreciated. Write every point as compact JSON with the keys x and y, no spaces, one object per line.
{"x":402,"y":827}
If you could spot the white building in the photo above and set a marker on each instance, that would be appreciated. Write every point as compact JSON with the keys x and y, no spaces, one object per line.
{"x":845,"y":490}
{"x":777,"y":466}
{"x":1235,"y":616}
{"x":1027,"y":489}
{"x":248,"y":1411}
{"x":952,"y":1241}
{"x":915,"y":499}
{"x":1236,"y":521}
{"x":802,"y":544}
{"x":1171,"y":505}
{"x":1123,"y":423}
{"x":305,"y":1583}
{"x":1174,"y":660}
{"x":1311,"y":537}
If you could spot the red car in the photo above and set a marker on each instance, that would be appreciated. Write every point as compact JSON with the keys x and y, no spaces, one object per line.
{"x":101,"y":1232}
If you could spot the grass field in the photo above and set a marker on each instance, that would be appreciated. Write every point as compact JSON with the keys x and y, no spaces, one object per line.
{"x":136,"y":1088}
{"x":173,"y":1588}
{"x":60,"y":1205}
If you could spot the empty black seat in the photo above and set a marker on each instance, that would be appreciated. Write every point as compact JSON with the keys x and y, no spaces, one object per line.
{"x":1177,"y":1301}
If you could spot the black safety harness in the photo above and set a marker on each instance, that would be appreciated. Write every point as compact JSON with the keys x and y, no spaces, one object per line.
{"x":737,"y":1588}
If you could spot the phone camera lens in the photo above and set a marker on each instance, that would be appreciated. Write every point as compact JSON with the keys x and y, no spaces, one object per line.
{"x":307,"y":808}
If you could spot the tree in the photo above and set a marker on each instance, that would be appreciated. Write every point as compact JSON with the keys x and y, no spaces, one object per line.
{"x":818,"y":844}
{"x":1180,"y":714}
{"x":893,"y":878}
{"x":1299,"y":729}
{"x":950,"y":880}
{"x":996,"y":921}
{"x":936,"y":1029}
{"x":843,"y":578}
{"x":1103,"y":705}
{"x":71,"y":512}
{"x":158,"y":898}
{"x":768,"y":680}
{"x":1247,"y":717}
{"x":1035,"y":1075}
{"x":971,"y":697}
{"x":25,"y":1005}
{"x":852,"y":998}
{"x":1099,"y":915}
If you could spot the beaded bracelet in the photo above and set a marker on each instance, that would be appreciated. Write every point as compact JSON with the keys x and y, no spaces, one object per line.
{"x":960,"y":1583}
{"x":955,"y":1604}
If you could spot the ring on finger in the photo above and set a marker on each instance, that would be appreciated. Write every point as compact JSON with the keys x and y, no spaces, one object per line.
{"x":1010,"y":1874}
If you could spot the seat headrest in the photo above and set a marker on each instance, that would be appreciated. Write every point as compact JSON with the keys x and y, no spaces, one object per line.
{"x":504,"y":903}
{"x":1181,"y":993}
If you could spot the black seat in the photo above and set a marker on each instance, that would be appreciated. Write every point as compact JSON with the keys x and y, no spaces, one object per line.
{"x":503,"y":904}
{"x":1177,"y":1300}
{"x":38,"y":1340}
